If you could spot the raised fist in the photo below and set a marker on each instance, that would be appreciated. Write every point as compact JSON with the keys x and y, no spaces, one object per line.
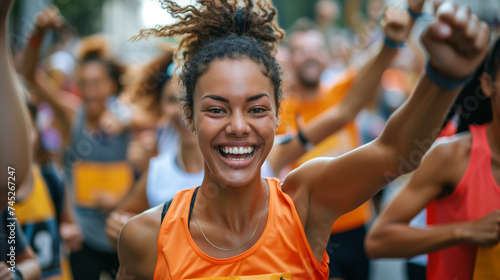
{"x":456,"y":41}
{"x":49,"y":18}
{"x":395,"y":24}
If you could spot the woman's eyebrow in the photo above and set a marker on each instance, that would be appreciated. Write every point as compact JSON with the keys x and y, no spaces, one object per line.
{"x":225,"y":100}
{"x":216,"y":97}
{"x":258,"y":96}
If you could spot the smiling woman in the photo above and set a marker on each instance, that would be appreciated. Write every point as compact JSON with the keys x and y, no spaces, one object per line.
{"x":238,"y":224}
{"x":236,"y":111}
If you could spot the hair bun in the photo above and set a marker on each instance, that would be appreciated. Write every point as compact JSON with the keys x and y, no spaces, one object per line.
{"x":212,"y":19}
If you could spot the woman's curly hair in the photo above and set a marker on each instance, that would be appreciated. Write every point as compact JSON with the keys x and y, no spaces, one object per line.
{"x":96,"y":48}
{"x":216,"y":29}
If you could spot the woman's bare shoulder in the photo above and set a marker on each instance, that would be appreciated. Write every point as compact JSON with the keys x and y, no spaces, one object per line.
{"x":137,"y":244}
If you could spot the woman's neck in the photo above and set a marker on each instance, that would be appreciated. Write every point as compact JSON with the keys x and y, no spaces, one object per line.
{"x":230,"y":206}
{"x":190,"y":158}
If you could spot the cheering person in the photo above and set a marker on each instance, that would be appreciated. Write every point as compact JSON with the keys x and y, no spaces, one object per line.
{"x":236,"y":223}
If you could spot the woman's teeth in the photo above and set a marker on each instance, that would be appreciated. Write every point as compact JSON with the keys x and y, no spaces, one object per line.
{"x":237,"y":150}
{"x":228,"y":151}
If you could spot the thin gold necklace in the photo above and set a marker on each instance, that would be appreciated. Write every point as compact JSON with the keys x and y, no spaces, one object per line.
{"x":224,"y":249}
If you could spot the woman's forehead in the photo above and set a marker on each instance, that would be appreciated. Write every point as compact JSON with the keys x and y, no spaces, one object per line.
{"x":234,"y":78}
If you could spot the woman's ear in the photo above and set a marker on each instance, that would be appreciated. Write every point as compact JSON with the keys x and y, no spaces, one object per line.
{"x":486,"y":85}
{"x":189,"y":120}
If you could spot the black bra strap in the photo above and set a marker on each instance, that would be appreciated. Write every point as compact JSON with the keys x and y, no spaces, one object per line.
{"x":166,"y":205}
{"x":192,"y":203}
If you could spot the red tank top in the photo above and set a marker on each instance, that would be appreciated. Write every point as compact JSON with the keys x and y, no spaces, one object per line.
{"x":282,"y":249}
{"x":476,"y":195}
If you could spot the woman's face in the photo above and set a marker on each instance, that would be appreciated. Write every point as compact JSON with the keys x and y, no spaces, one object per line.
{"x":96,"y":87}
{"x":234,"y":116}
{"x":171,"y":110}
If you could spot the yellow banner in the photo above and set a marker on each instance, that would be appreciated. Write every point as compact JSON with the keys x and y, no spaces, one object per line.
{"x":93,"y":180}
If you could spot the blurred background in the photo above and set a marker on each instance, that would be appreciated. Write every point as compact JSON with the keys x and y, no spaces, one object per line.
{"x":350,"y":28}
{"x":121,"y":19}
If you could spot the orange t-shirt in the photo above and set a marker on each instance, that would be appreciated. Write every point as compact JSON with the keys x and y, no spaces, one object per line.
{"x":337,"y":144}
{"x":282,"y":249}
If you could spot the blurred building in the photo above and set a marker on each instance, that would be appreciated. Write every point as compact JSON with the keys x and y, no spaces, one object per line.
{"x":121,"y":20}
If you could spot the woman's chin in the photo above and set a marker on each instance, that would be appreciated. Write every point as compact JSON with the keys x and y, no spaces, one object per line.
{"x":236,"y":178}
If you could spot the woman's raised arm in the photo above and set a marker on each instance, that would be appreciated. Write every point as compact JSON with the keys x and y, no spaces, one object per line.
{"x":456,"y":42}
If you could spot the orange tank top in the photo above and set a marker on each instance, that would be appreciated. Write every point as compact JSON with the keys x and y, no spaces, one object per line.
{"x":476,"y":195}
{"x":282,"y":249}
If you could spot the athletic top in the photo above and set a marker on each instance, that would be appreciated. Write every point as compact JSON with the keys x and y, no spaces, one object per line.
{"x":36,"y":214}
{"x":166,"y":138}
{"x":165,"y":178}
{"x":336,"y":144}
{"x":96,"y":165}
{"x":282,"y":249}
{"x":476,"y":195}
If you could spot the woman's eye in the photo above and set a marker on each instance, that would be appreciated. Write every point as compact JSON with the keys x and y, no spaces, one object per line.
{"x":257,"y":110}
{"x":216,"y":111}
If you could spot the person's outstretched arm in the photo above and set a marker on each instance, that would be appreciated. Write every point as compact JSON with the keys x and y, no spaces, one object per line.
{"x":363,"y":91}
{"x":41,"y":84}
{"x":457,"y":43}
{"x":15,"y":146}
